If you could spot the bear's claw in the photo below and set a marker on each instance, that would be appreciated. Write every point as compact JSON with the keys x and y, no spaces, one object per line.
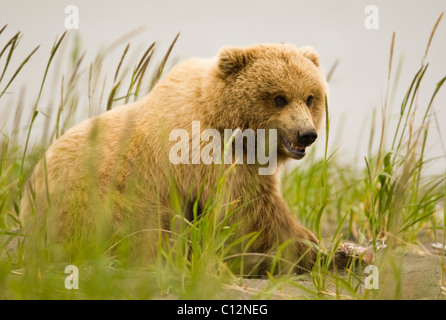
{"x":349,"y":253}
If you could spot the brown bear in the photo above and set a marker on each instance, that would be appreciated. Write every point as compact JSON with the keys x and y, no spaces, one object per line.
{"x":114,"y":170}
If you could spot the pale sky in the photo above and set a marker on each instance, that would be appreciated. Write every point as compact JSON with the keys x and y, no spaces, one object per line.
{"x":335,"y":28}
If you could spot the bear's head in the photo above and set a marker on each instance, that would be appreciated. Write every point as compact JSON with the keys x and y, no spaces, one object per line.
{"x":275,"y":86}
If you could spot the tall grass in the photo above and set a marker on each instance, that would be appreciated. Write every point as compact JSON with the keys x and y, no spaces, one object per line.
{"x":390,"y":198}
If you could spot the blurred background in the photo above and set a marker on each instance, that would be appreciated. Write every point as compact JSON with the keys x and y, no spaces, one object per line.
{"x":335,"y":28}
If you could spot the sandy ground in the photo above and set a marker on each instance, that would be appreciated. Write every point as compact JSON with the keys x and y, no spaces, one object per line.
{"x":420,"y":278}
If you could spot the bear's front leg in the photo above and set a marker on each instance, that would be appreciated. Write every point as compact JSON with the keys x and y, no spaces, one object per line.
{"x":299,"y":244}
{"x":275,"y":230}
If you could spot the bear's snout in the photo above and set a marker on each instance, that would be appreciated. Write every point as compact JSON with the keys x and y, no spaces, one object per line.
{"x":307,"y":137}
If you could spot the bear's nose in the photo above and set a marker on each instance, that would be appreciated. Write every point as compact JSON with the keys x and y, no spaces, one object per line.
{"x":307,"y":137}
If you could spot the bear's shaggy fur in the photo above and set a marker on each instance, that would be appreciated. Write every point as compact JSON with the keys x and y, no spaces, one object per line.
{"x":123,"y":154}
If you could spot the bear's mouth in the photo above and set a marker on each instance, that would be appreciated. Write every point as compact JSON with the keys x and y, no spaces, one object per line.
{"x":296,"y":151}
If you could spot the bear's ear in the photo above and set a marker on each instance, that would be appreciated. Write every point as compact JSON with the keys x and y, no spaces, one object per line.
{"x":310,"y":53}
{"x":232,"y":60}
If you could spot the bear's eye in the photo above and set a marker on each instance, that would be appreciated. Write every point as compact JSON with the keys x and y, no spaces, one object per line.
{"x":280,"y":101}
{"x":309,"y":101}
